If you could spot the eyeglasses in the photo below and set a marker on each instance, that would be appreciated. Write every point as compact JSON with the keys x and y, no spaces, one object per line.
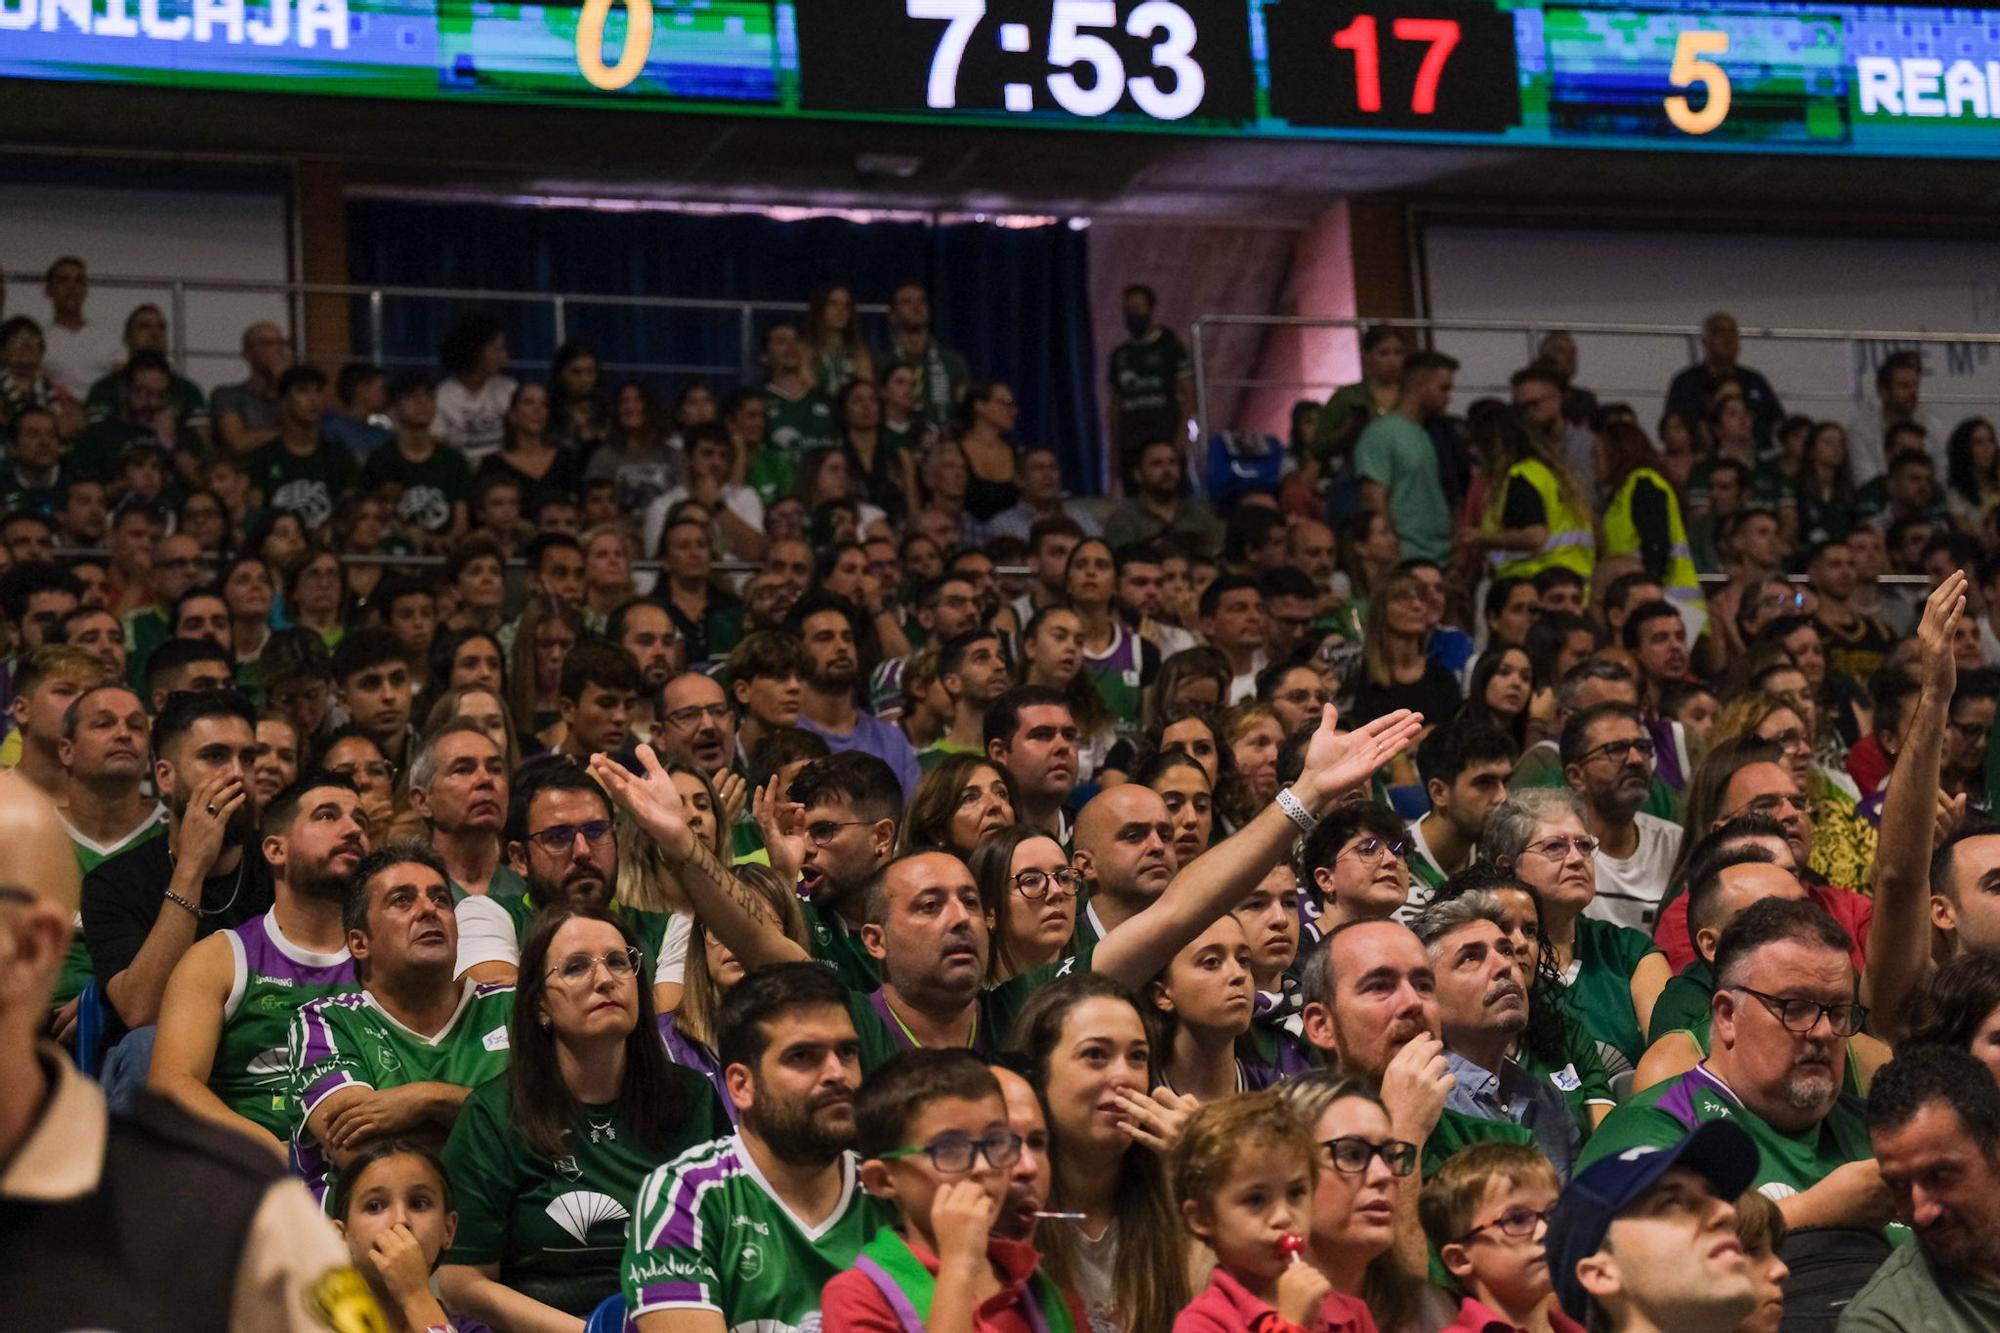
{"x":1034,"y":884}
{"x":687,"y":717}
{"x":1558,"y":849}
{"x":1373,"y":849}
{"x":579,"y":968}
{"x":1520,"y":1223}
{"x":375,"y":770}
{"x":1792,"y":738}
{"x":1351,"y":1155}
{"x":1770,"y":805}
{"x":1801,"y":1016}
{"x":1616,"y":750}
{"x":953,"y":1154}
{"x":824,"y":831}
{"x":1301,"y":697}
{"x":559,"y":838}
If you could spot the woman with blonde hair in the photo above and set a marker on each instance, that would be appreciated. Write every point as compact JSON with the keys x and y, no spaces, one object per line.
{"x":1538,"y":516}
{"x":546,"y":630}
{"x":1253,"y":734}
{"x":608,"y":552}
{"x":1396,"y":668}
{"x":481,"y":705}
{"x":1843,"y":841}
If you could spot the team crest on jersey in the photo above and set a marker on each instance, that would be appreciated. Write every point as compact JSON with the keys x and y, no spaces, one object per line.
{"x":750,"y":1261}
{"x":386,"y":1057}
{"x":567,"y":1168}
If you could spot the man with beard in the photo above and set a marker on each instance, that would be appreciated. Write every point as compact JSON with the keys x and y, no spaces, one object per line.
{"x":458,"y":786}
{"x":1482,"y":1012}
{"x":105,"y":810}
{"x":1371,"y":1010}
{"x":599,"y":684}
{"x":1607,"y":757}
{"x":825,"y":621}
{"x":1161,"y":506}
{"x":700,"y":724}
{"x":743,"y":1232}
{"x":945,"y":607}
{"x":1656,"y":636}
{"x":973,"y":671}
{"x":645,"y":630}
{"x":1783,"y":1010}
{"x":1031,"y":735}
{"x":398,"y":1056}
{"x":228,"y":1008}
{"x":146,"y":907}
{"x":1934,"y":1121}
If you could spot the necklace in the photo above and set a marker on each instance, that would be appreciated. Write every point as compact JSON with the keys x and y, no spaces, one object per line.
{"x":601,"y":1131}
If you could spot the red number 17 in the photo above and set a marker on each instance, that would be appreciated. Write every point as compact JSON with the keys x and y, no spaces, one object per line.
{"x":1359,"y":37}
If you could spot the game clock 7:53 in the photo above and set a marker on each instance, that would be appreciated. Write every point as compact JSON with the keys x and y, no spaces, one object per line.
{"x":1119,"y":61}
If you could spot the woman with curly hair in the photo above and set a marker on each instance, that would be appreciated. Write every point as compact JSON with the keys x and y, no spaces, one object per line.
{"x":1843,"y":841}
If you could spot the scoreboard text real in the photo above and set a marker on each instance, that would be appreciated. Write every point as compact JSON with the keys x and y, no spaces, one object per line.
{"x":1886,"y":80}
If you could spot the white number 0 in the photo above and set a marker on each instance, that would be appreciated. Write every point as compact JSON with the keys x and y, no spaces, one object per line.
{"x":1170,"y":54}
{"x":964,"y":16}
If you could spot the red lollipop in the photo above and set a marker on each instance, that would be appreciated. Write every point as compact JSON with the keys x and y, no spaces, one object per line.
{"x":1290,"y":1244}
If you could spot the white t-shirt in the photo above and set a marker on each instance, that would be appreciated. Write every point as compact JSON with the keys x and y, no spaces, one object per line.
{"x":741,"y":501}
{"x":1629,"y":891}
{"x":1245,"y":686}
{"x":485,"y":934}
{"x":76,"y":360}
{"x":474,"y":423}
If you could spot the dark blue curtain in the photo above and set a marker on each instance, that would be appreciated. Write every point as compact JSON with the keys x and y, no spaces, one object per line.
{"x":1013,"y":300}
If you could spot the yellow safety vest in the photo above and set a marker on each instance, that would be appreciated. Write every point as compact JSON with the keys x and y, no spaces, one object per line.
{"x":1571,"y":543}
{"x":1621,"y":537}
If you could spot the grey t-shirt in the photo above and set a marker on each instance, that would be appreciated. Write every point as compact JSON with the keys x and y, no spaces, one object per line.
{"x":1906,"y":1295}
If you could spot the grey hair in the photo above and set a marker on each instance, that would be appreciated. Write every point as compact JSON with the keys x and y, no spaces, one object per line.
{"x":1441,"y":919}
{"x":1514,"y":820}
{"x":424,"y":768}
{"x":1571,"y":685}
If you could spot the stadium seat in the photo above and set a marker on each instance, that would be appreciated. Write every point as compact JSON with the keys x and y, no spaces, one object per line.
{"x":608,"y":1317}
{"x":90,"y":1028}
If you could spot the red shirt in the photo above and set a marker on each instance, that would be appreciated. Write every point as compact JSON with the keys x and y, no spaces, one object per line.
{"x":1868,"y":765}
{"x":851,"y":1300}
{"x":1474,"y":1317}
{"x":1227,"y":1306}
{"x":1849,"y":908}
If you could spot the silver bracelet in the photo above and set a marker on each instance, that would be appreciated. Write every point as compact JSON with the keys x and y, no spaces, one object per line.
{"x":1296,"y":811}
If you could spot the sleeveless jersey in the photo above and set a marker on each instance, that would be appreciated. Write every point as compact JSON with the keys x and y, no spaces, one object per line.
{"x":708,"y":1234}
{"x":274,"y":978}
{"x":1116,"y":675}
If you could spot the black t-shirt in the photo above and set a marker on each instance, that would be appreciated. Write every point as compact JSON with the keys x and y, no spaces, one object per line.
{"x":1145,"y":380}
{"x":1524,"y":507}
{"x":1649,"y":516}
{"x":1436,"y":696}
{"x":122,"y":898}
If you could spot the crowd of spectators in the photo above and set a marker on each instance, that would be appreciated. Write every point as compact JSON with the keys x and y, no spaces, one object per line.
{"x":1408,"y":898}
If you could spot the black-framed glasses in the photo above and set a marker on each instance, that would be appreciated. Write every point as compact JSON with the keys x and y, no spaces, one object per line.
{"x":824,"y":831}
{"x":1617,"y":750}
{"x":1558,"y":849}
{"x":559,"y":838}
{"x":1350,"y":1155}
{"x":1518,"y":1222}
{"x":1800,"y":1016}
{"x":1034,"y":884}
{"x":1770,"y":806}
{"x":687,"y":717}
{"x":578,"y":968}
{"x":954,"y":1154}
{"x":1374,"y":849}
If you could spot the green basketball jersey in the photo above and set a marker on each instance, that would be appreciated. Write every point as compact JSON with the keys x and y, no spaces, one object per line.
{"x":839,"y":946}
{"x":273,"y":980}
{"x":350,"y":1041}
{"x":709,"y":1234}
{"x":556,"y":1226}
{"x":76,"y":973}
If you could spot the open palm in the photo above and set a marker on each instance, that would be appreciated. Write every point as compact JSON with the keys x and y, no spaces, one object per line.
{"x":1336,"y":761}
{"x":652,"y":799}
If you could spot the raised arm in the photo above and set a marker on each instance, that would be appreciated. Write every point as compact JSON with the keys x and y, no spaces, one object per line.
{"x":1210,"y":888}
{"x":1899,"y":937}
{"x":732,"y":912}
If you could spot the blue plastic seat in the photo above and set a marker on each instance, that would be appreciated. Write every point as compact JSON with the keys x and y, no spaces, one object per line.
{"x":608,"y":1317}
{"x":90,"y":1028}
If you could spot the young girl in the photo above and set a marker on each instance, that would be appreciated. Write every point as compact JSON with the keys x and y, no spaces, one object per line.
{"x":1244,"y":1173}
{"x":1204,"y":1002}
{"x":393,"y":1205}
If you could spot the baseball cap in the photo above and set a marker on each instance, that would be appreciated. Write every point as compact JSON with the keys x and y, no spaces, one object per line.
{"x":1718,"y":1151}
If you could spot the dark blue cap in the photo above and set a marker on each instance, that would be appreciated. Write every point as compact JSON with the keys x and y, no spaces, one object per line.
{"x":1718,"y":1151}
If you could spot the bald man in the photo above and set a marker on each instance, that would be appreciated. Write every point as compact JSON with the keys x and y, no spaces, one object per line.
{"x":1125,"y":854}
{"x":83,"y":1192}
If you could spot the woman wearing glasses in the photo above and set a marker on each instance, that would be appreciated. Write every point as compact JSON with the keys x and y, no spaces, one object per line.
{"x":1358,"y":1197}
{"x":547,"y":1159}
{"x":1843,"y":841}
{"x":1029,"y":889}
{"x":1357,"y":860}
{"x":1612,"y":974}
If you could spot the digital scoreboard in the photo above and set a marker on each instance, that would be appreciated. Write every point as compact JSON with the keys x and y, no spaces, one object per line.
{"x":1785,"y":76}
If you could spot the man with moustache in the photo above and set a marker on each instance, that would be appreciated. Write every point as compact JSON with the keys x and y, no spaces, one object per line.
{"x":743,"y":1232}
{"x":1032,"y":736}
{"x":398,"y":1056}
{"x":146,"y":907}
{"x":1934,"y":1121}
{"x":1607,"y":757}
{"x":228,"y":1008}
{"x":1482,"y":1012}
{"x":700,"y":724}
{"x":1783,"y":1010}
{"x":825,"y":622}
{"x":645,"y":630}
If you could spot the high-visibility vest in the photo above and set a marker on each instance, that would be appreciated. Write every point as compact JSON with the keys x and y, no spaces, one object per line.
{"x":1571,"y":543}
{"x":1680,"y":578}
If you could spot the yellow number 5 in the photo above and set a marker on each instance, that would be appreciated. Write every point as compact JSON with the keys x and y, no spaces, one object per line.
{"x":638,"y":43}
{"x":1690,"y":69}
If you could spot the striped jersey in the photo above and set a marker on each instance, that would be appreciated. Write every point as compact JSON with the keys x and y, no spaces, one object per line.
{"x":272,"y":981}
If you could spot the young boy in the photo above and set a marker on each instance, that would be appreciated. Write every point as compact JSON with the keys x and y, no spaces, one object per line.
{"x":1485,"y":1214}
{"x":1244,"y":1171}
{"x":934,"y":1140}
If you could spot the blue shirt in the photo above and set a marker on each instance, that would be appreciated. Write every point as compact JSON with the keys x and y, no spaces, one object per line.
{"x":871,"y":735}
{"x":1517,"y":1096}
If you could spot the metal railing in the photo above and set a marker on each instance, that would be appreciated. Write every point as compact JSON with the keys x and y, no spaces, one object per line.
{"x":1978,"y":350}
{"x":558,"y":307}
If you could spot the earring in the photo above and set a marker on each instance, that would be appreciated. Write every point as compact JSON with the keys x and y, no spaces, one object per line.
{"x":546,"y":1024}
